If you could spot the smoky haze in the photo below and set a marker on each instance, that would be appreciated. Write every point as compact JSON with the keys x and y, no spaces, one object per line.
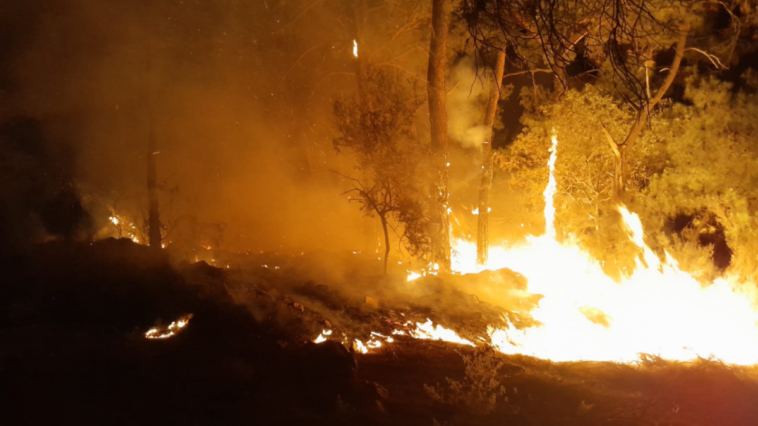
{"x":239,"y":98}
{"x":243,"y":132}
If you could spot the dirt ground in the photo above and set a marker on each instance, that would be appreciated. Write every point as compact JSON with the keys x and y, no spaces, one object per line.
{"x":73,"y":351}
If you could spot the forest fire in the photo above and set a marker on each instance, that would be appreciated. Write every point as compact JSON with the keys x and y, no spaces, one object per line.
{"x":584,"y":315}
{"x":379,"y":212}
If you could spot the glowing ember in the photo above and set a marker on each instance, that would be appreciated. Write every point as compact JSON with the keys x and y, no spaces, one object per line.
{"x":387,"y":338}
{"x":358,"y":346}
{"x":355,"y":48}
{"x":172,"y":329}
{"x":124,"y":228}
{"x":585,"y":315}
{"x":322,"y":337}
{"x":375,"y":341}
{"x":413,"y":275}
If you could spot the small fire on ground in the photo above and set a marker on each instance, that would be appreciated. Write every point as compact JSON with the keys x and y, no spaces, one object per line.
{"x":172,"y":329}
{"x":426,"y":331}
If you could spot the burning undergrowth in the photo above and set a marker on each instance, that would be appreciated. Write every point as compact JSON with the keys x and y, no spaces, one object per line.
{"x":374,"y":309}
{"x":249,"y":346}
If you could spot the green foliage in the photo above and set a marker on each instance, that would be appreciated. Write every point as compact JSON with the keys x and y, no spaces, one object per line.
{"x":696,"y":160}
{"x":712,"y":167}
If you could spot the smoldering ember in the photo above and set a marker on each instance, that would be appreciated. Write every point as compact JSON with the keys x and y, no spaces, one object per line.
{"x":379,"y":212}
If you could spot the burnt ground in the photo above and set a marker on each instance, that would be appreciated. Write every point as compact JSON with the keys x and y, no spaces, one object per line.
{"x":72,"y":350}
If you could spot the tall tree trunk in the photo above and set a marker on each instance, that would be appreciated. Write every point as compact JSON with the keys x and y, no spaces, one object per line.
{"x":386,"y":242}
{"x":154,"y":220}
{"x":482,"y":235}
{"x":440,"y":232}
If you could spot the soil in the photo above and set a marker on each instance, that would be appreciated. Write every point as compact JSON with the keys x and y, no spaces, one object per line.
{"x":73,"y":319}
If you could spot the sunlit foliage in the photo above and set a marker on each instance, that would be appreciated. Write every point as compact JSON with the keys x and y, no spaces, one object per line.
{"x":696,"y":160}
{"x":712,"y":169}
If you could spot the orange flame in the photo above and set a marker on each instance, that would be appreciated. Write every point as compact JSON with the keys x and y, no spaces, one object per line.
{"x":585,"y":315}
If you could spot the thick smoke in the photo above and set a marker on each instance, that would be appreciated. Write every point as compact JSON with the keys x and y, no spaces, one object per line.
{"x":466,"y":104}
{"x":239,"y":146}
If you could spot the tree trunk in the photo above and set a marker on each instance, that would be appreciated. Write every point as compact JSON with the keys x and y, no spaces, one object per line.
{"x":386,"y":242}
{"x":619,"y":178}
{"x":440,"y":232}
{"x":482,"y":235}
{"x":153,"y":221}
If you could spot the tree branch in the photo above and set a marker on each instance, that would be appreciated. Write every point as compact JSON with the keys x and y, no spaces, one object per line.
{"x":713,"y":58}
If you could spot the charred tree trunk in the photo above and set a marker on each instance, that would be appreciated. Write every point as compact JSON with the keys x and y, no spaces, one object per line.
{"x":440,"y":232}
{"x":482,"y":235}
{"x":153,"y":216}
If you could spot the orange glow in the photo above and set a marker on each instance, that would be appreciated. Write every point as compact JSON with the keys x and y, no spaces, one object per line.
{"x":585,"y":315}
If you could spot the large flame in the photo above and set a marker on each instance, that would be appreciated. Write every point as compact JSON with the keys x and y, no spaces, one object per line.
{"x":585,"y":315}
{"x":550,"y":190}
